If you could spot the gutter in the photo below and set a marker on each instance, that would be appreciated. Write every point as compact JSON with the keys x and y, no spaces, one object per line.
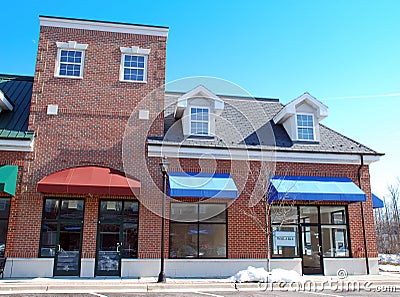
{"x":362,"y":214}
{"x":17,"y":145}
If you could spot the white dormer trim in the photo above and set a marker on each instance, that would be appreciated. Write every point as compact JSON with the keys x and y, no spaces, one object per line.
{"x":305,"y":104}
{"x":199,"y":91}
{"x":4,"y":103}
{"x":73,"y":45}
{"x":290,"y":109}
{"x":135,"y":50}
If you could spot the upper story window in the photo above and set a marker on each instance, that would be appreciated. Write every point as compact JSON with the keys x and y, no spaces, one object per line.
{"x":305,"y":127}
{"x":70,"y":59}
{"x":199,"y":121}
{"x":134,"y":62}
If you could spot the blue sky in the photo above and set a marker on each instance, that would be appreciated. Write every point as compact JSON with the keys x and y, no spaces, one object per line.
{"x":345,"y":53}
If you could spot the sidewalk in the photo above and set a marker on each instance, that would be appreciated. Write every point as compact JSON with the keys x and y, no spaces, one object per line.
{"x":68,"y":285}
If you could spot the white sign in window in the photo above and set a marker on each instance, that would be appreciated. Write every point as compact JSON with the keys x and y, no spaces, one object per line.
{"x":285,"y":238}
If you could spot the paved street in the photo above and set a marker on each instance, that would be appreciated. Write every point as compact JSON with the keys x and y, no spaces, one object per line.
{"x":361,"y":285}
{"x":269,"y":293}
{"x":210,"y":294}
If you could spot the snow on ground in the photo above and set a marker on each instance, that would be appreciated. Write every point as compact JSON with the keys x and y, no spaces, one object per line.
{"x":389,"y":258}
{"x":253,"y":274}
{"x":389,"y":268}
{"x":389,"y":262}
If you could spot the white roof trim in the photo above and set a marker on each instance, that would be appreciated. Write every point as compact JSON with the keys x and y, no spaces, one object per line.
{"x":135,"y":50}
{"x":4,"y":103}
{"x":16,"y":145}
{"x":177,"y":151}
{"x":199,"y":91}
{"x":290,"y":108}
{"x":72,"y":45}
{"x":103,"y":26}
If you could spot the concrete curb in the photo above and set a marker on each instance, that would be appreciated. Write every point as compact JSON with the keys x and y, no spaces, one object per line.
{"x":71,"y":286}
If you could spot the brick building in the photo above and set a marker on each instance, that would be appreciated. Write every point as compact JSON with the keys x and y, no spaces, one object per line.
{"x":87,"y":200}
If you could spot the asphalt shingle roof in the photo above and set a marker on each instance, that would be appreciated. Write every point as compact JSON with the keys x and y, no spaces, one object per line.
{"x":18,"y":90}
{"x":248,"y":123}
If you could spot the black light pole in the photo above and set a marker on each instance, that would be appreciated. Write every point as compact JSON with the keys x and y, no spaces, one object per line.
{"x":164,"y":169}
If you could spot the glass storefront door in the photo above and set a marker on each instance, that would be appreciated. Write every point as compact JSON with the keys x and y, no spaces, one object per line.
{"x":311,"y":249}
{"x":67,"y":260}
{"x":117,"y":235}
{"x":61,"y":236}
{"x":4,"y":213}
{"x":109,"y":249}
{"x":311,"y":232}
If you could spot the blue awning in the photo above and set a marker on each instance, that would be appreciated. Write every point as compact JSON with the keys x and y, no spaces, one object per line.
{"x":201,"y":185}
{"x":314,"y":188}
{"x":377,"y":202}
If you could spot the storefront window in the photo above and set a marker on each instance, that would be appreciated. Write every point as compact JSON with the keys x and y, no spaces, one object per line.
{"x":287,"y":231}
{"x":284,"y":215}
{"x":334,"y":231}
{"x":285,"y":241}
{"x":309,"y":214}
{"x":110,"y":210}
{"x":284,"y":220}
{"x":198,"y":230}
{"x":334,"y":241}
{"x":333,"y":215}
{"x":123,"y":218}
{"x":4,"y":213}
{"x":61,"y":227}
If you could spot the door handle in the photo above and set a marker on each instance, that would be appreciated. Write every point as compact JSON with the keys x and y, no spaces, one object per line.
{"x":58,"y":249}
{"x":118,"y":247}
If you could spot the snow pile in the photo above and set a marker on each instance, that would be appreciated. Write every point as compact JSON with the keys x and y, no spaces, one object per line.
{"x":253,"y":274}
{"x":282,"y":275}
{"x":389,"y":268}
{"x":389,"y":258}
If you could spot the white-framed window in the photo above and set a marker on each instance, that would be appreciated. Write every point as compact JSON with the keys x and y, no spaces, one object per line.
{"x":70,"y":59}
{"x":134,"y":61}
{"x":305,"y":127}
{"x":199,"y":121}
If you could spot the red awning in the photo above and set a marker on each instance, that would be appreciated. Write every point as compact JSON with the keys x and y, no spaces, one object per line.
{"x":89,"y":179}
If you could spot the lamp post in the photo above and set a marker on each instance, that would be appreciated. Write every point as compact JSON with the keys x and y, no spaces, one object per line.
{"x":164,"y":164}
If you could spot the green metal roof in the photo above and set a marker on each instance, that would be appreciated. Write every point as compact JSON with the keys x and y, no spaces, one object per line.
{"x":18,"y":91}
{"x":8,"y":179}
{"x":10,"y":134}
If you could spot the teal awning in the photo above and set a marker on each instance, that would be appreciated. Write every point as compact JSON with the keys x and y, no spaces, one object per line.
{"x":315,"y":188}
{"x":201,"y":185}
{"x":8,"y":179}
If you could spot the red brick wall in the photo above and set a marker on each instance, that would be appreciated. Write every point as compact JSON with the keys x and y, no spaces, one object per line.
{"x":245,"y":237}
{"x":17,"y":206}
{"x":89,"y":128}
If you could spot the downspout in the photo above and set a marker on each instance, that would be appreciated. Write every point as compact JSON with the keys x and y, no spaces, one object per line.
{"x":362,"y":214}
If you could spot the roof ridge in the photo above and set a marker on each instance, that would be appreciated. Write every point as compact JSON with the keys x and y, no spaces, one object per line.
{"x":16,"y":77}
{"x":228,"y":96}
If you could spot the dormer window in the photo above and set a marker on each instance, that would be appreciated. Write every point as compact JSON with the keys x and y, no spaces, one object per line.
{"x":198,"y":110}
{"x":301,"y":118}
{"x":70,"y":59}
{"x":199,"y":121}
{"x":305,"y":127}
